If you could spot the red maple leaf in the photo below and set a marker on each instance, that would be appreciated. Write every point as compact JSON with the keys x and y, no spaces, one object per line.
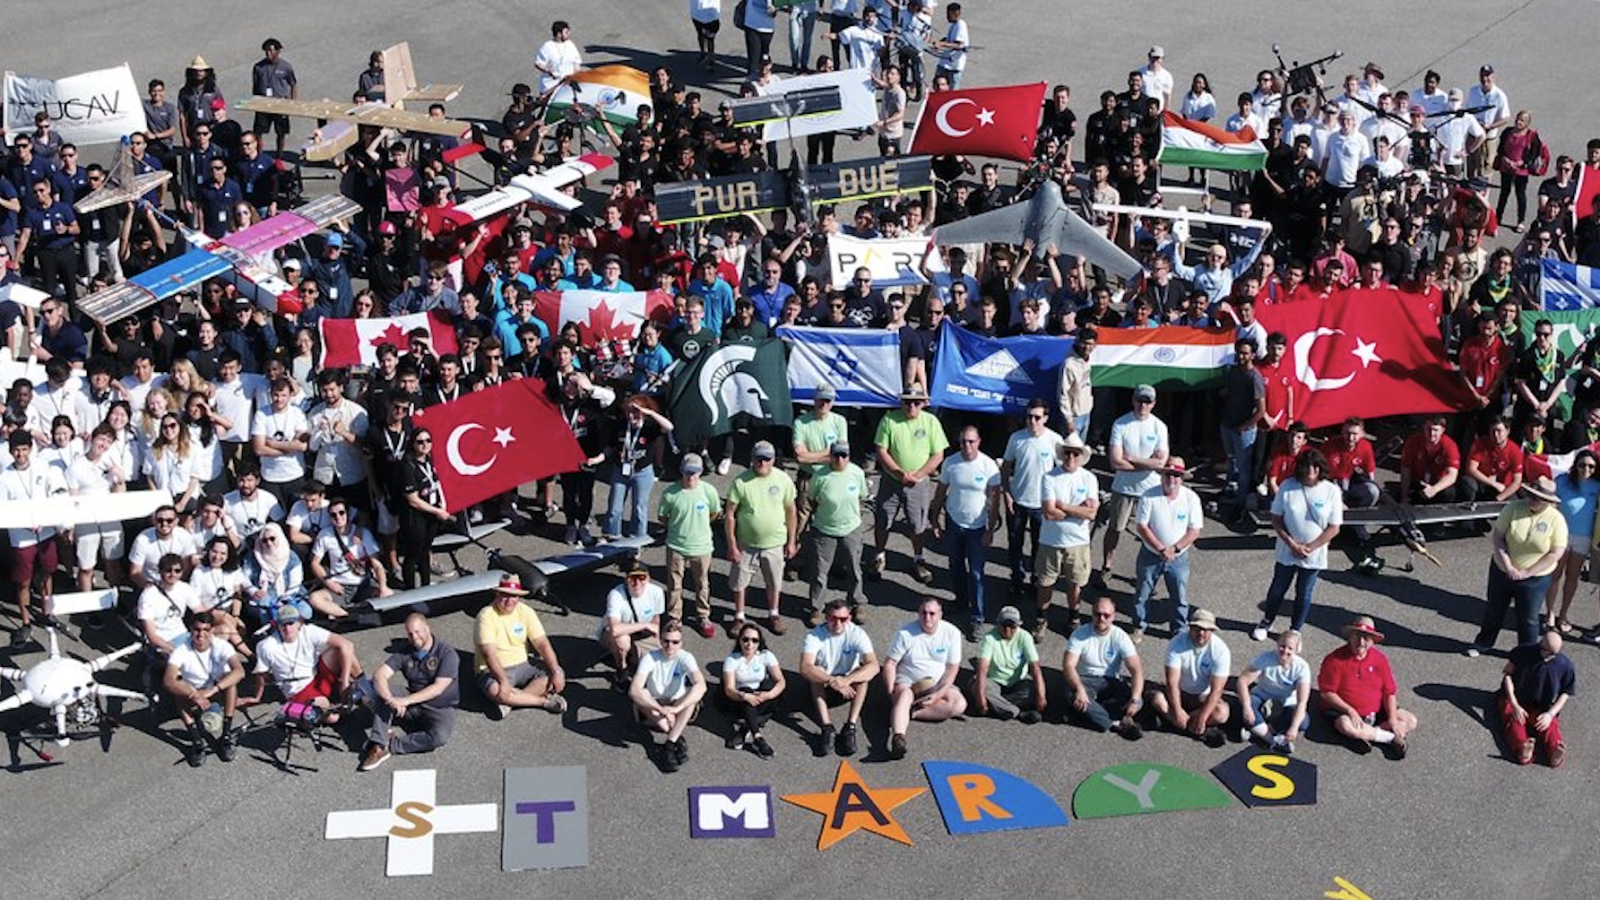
{"x":605,"y":326}
{"x":393,"y":336}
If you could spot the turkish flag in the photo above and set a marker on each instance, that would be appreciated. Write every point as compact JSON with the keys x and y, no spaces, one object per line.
{"x":602,"y":315}
{"x":1000,"y":122}
{"x":495,"y":440}
{"x":355,"y":342}
{"x":1365,"y":352}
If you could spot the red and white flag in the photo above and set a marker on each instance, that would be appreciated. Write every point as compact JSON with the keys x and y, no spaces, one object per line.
{"x":1001,"y":122}
{"x":355,"y":342}
{"x":1365,"y":352}
{"x":602,"y":315}
{"x":496,"y":440}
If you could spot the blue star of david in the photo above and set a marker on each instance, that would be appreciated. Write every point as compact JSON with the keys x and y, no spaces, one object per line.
{"x":844,"y":365}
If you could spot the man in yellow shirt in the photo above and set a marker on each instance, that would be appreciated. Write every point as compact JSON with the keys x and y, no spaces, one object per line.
{"x":507,"y":674}
{"x":911,"y":445}
{"x":1530,"y":537}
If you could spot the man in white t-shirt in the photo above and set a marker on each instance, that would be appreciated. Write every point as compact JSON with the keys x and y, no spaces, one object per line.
{"x":1346,"y":149}
{"x":838,"y":663}
{"x":1138,"y":450}
{"x":1098,"y":696}
{"x":953,"y":46}
{"x":1497,"y":116}
{"x":202,"y":673}
{"x":163,"y":604}
{"x":557,"y":58}
{"x":232,"y":402}
{"x":281,"y":435}
{"x":33,"y":550}
{"x":1458,"y":136}
{"x":249,"y":507}
{"x":863,"y":41}
{"x":632,"y":620}
{"x":310,"y":665}
{"x":163,"y":536}
{"x":920,"y":672}
{"x":666,"y":693}
{"x":1169,"y":522}
{"x":1029,"y":457}
{"x":1307,"y":512}
{"x":338,"y":429}
{"x":967,"y":505}
{"x":1157,"y":79}
{"x":1191,"y":698}
{"x":1069,"y":501}
{"x":344,"y":558}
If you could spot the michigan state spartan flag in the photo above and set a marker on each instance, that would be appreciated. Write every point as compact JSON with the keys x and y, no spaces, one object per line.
{"x":730,"y":386}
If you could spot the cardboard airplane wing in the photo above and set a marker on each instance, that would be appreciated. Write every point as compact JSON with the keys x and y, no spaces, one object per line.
{"x":543,"y":189}
{"x":151,"y":286}
{"x":68,"y":511}
{"x":379,"y":114}
{"x":123,"y":184}
{"x":400,"y":78}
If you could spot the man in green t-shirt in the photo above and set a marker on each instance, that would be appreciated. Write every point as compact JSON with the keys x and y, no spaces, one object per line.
{"x":814,"y":433}
{"x":760,"y":522}
{"x":835,"y":496}
{"x":911,"y":445}
{"x":686,"y":510}
{"x":1009,"y":682}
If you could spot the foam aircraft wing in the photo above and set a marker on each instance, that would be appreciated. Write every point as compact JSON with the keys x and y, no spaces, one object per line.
{"x":543,"y":189}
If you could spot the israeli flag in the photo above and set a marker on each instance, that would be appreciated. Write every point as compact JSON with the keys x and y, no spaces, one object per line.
{"x":1565,"y":286}
{"x":862,"y":364}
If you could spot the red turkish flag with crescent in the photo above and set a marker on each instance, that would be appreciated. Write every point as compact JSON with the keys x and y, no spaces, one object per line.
{"x":495,"y":440}
{"x":1000,"y":122}
{"x":1365,"y":352}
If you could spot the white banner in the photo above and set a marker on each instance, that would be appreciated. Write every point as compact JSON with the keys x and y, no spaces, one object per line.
{"x":859,"y":104}
{"x":893,"y":262}
{"x":100,"y":107}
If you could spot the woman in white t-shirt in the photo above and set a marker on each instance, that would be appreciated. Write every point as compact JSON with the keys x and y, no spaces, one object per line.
{"x":171,"y":466}
{"x":1276,"y":687}
{"x":752,"y":683}
{"x":219,"y":586}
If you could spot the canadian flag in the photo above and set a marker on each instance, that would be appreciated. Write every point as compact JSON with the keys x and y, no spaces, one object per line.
{"x":1001,"y":122}
{"x":602,"y":315}
{"x":355,"y":342}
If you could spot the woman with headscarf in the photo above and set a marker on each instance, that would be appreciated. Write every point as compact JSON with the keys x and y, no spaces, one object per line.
{"x":274,"y":574}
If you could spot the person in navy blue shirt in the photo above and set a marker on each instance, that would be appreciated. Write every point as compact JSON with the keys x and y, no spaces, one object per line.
{"x":25,"y":167}
{"x":770,"y":295}
{"x":50,"y":230}
{"x":57,"y":336}
{"x":216,"y":199}
{"x":199,"y":157}
{"x":257,"y":174}
{"x":10,"y":207}
{"x":331,"y":272}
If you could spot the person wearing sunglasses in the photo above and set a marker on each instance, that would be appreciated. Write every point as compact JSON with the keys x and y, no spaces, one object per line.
{"x":752,"y":685}
{"x":666,"y":692}
{"x":164,"y":536}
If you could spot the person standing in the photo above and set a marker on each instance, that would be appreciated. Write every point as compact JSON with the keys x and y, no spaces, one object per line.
{"x":1069,"y":501}
{"x":759,"y":521}
{"x":1244,"y":407}
{"x":33,"y":550}
{"x":1138,"y":449}
{"x":911,"y":446}
{"x":1530,"y":537}
{"x":1306,"y":516}
{"x":686,"y":510}
{"x":557,"y":58}
{"x":1030,"y":455}
{"x":1168,"y":523}
{"x":835,"y":497}
{"x":953,"y":46}
{"x":272,"y":76}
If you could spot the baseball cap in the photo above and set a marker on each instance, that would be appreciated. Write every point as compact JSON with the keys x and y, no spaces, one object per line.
{"x":287,"y":613}
{"x":1157,"y":52}
{"x":1456,"y":96}
{"x":1203,"y":618}
{"x":291,"y":263}
{"x":839,"y":448}
{"x":335,"y":239}
{"x":219,"y":103}
{"x":1145,"y":392}
{"x":521,"y":90}
{"x":1486,"y":69}
{"x":691,"y":464}
{"x":637,"y":570}
{"x":824,"y":392}
{"x":1009,"y":616}
{"x":764,"y":450}
{"x":387,"y":227}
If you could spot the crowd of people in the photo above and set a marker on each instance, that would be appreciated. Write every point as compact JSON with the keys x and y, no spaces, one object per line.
{"x":296,"y":492}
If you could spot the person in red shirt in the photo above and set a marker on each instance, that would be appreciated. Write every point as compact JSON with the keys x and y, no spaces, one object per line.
{"x":1485,"y":359}
{"x":1535,"y":449}
{"x":1430,"y":465}
{"x":1358,"y":691}
{"x":1281,"y":468}
{"x":1352,"y":464}
{"x":1278,"y":373}
{"x":1291,"y":288}
{"x":1494,"y":465}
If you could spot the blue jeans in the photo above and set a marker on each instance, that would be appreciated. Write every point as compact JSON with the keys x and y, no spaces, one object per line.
{"x":1080,"y":424}
{"x":639,"y":485}
{"x":1022,"y":522}
{"x":1278,"y":717}
{"x":1108,"y":702}
{"x":800,"y":22}
{"x":1305,"y":581}
{"x":1149,"y":567}
{"x":1528,"y":594}
{"x":1240,"y":447}
{"x":966,"y":567}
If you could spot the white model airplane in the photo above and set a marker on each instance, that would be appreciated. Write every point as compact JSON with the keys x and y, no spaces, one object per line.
{"x":88,"y":509}
{"x":66,"y":687}
{"x":1045,"y":219}
{"x":543,"y":189}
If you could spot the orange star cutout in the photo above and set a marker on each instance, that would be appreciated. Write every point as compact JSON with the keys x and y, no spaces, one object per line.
{"x":852,"y":806}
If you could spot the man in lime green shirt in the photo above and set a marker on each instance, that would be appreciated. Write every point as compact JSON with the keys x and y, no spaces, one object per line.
{"x":836,"y":496}
{"x":686,"y":510}
{"x":760,"y":522}
{"x":1009,"y":682}
{"x":814,"y":433}
{"x":911,"y":445}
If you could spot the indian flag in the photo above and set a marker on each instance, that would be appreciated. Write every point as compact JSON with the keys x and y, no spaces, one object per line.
{"x":616,"y":92}
{"x":1188,"y":143}
{"x":1172,"y":356}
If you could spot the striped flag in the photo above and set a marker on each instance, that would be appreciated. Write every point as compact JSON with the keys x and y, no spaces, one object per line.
{"x":862,"y":364}
{"x":1564,"y":286}
{"x":1171,"y":356}
{"x":1188,"y":143}
{"x":616,"y":92}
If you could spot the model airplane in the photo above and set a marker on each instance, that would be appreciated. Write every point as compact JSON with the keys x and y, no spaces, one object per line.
{"x":233,"y":259}
{"x":1045,"y":219}
{"x":66,"y":687}
{"x":67,"y":512}
{"x":795,"y":189}
{"x":543,"y":189}
{"x":123,"y":184}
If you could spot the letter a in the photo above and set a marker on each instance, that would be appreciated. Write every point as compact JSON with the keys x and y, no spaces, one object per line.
{"x":853,"y":798}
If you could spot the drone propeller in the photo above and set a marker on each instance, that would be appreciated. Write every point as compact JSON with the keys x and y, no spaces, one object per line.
{"x":110,"y":658}
{"x":1391,"y":115}
{"x":1463,"y":111}
{"x":106,"y":690}
{"x":20,"y":698}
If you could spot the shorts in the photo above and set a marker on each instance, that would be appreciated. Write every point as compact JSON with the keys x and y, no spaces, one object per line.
{"x":520,"y":675}
{"x":1122,"y":509}
{"x":323,"y":684}
{"x":36,"y":562}
{"x":94,"y":540}
{"x":895,"y":498}
{"x":1053,"y":563}
{"x":277,"y":123}
{"x":768,"y":561}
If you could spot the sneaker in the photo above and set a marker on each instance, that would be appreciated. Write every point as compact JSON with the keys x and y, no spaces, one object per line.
{"x":1558,"y":754}
{"x":814,"y":616}
{"x":570,"y":536}
{"x":22,"y":636}
{"x":724,"y":465}
{"x":377,"y":755}
{"x":680,"y":751}
{"x":845,"y":744}
{"x":1213,"y":737}
{"x":1259,"y":633}
{"x":555,"y":703}
{"x":1097,"y":580}
{"x":1138,"y":635}
{"x":668,"y":757}
{"x":1399,"y":747}
{"x":1041,"y":627}
{"x":1029,"y":717}
{"x":859,"y":613}
{"x":824,"y":739}
{"x":921,"y":572}
{"x":620,"y":681}
{"x":195,"y":754}
{"x":733,"y":625}
{"x":706,"y":629}
{"x":761,"y":748}
{"x":775,"y":624}
{"x":1474,"y":651}
{"x":1288,"y":748}
{"x":503,"y":710}
{"x":975,"y":631}
{"x":876,"y":565}
{"x":1278,"y":742}
{"x":1130,"y":730}
{"x":228,"y":747}
{"x":897,"y":747}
